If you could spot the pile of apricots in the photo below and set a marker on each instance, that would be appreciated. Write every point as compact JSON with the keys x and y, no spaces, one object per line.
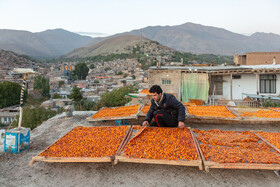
{"x":235,"y":147}
{"x":87,"y":142}
{"x":271,"y":137}
{"x":145,"y":109}
{"x":262,"y":114}
{"x":210,"y":111}
{"x":145,"y":91}
{"x":116,"y":112}
{"x":162,"y":143}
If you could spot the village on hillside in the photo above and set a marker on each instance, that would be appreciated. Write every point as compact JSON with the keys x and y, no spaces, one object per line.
{"x":232,"y":112}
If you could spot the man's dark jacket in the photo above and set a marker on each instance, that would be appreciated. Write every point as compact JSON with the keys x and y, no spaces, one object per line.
{"x":168,"y":104}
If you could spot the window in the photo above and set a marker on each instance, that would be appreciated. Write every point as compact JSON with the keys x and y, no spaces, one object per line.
{"x":166,"y":81}
{"x":236,"y":76}
{"x":216,"y":85}
{"x":268,"y":83}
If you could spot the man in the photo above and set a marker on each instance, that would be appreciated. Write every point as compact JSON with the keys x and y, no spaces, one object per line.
{"x":166,"y":109}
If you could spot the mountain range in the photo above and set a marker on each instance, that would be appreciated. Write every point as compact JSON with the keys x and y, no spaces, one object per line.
{"x":49,"y":43}
{"x":188,"y":37}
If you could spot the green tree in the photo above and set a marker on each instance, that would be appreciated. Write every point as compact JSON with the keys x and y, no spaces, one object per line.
{"x":119,"y":73}
{"x":81,"y":70}
{"x":42,"y":84}
{"x":77,"y":96}
{"x":34,"y":117}
{"x":10,"y":93}
{"x":56,"y":96}
{"x":60,"y":83}
{"x":86,"y":104}
{"x":133,"y":76}
{"x":107,"y":68}
{"x":116,"y":97}
{"x":91,"y":66}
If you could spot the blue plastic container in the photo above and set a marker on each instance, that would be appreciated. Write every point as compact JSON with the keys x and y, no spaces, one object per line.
{"x":17,"y":140}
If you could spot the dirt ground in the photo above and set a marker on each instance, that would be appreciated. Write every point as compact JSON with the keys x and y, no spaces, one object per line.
{"x":15,"y":169}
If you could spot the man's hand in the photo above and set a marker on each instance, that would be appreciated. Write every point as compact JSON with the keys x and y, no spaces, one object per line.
{"x":181,"y":124}
{"x":145,"y":123}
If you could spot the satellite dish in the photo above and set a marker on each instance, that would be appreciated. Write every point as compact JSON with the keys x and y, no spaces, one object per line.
{"x":24,"y":70}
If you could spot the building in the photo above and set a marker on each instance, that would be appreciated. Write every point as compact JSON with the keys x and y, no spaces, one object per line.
{"x":257,"y":58}
{"x":217,"y":82}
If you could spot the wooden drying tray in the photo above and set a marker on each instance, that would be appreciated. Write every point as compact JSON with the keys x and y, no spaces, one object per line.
{"x":210,"y":164}
{"x":135,"y":116}
{"x":236,"y":120}
{"x":121,"y":157}
{"x":140,"y":111}
{"x":210,"y":119}
{"x":76,"y":159}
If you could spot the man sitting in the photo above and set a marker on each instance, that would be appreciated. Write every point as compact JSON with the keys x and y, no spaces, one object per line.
{"x":166,"y":109}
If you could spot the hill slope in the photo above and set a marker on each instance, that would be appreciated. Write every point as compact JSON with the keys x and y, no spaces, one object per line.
{"x":196,"y":38}
{"x":119,"y":44}
{"x":49,"y":43}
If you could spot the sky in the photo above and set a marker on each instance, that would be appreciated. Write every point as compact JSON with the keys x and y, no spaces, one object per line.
{"x":116,"y":16}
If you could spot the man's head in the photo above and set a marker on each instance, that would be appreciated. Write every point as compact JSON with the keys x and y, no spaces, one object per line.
{"x":156,"y":92}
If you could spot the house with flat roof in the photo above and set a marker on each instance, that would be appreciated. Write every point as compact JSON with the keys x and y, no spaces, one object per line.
{"x":217,"y":82}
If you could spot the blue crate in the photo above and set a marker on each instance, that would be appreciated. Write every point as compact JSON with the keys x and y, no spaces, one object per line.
{"x":17,"y":140}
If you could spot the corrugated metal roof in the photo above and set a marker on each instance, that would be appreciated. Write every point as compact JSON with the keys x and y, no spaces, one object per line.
{"x":216,"y":68}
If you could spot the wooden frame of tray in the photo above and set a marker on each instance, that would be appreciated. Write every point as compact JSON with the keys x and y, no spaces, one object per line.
{"x":121,"y":157}
{"x":134,"y":116}
{"x":210,"y":164}
{"x":76,"y":159}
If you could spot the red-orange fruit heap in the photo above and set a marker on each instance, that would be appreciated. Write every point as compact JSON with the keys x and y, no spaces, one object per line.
{"x":271,"y":137}
{"x":116,"y":112}
{"x":235,"y":147}
{"x":262,"y":114}
{"x":162,"y":143}
{"x":88,"y":142}
{"x":210,"y":111}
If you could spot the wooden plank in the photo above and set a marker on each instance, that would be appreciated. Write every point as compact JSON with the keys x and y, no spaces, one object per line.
{"x":198,"y":150}
{"x":233,"y":112}
{"x":71,"y":159}
{"x":123,"y":143}
{"x":210,"y":164}
{"x":123,"y":140}
{"x":111,"y":118}
{"x":158,"y":161}
{"x":267,"y":142}
{"x":187,"y":112}
{"x":139,"y":110}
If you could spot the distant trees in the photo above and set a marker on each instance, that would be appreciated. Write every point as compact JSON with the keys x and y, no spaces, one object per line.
{"x":116,"y":97}
{"x":61,"y":83}
{"x":42,"y":84}
{"x":76,"y":96}
{"x":56,"y":96}
{"x":91,"y":66}
{"x":34,"y":117}
{"x":10,"y":93}
{"x":81,"y":71}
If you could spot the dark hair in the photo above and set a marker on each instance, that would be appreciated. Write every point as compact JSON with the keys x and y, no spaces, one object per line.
{"x":155,"y":89}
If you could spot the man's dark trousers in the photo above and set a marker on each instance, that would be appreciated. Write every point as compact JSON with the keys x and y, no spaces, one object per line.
{"x":164,"y":119}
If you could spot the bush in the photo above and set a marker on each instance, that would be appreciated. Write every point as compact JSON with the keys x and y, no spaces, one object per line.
{"x":116,"y":97}
{"x":34,"y":117}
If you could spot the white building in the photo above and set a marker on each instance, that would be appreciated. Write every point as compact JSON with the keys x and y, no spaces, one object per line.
{"x":218,"y":82}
